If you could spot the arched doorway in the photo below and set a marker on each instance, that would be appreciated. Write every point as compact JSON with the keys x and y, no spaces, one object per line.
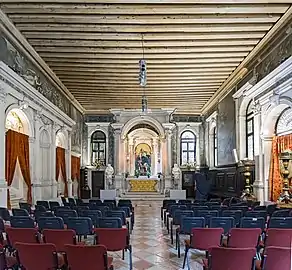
{"x":17,"y":158}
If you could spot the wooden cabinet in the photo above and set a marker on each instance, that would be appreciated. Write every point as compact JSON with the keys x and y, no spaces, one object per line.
{"x":84,"y":188}
{"x":97,"y":183}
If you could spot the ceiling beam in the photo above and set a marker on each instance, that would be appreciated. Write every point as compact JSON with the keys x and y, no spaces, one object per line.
{"x":131,"y":9}
{"x":147,"y":37}
{"x":19,"y":17}
{"x":232,"y":50}
{"x":210,"y":28}
{"x":213,"y":43}
{"x":200,"y":90}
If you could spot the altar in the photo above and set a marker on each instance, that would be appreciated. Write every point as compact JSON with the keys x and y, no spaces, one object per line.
{"x":143,"y":184}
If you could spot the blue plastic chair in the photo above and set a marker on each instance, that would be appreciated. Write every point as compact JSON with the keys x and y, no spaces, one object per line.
{"x":53,"y":205}
{"x":109,"y":222}
{"x":187,"y":223}
{"x":81,"y":225}
{"x":20,"y":212}
{"x":236,"y":214}
{"x":197,"y":208}
{"x":280,"y":222}
{"x":119,"y":214}
{"x":94,"y":215}
{"x":281,"y":213}
{"x":66,"y":214}
{"x":222,"y":222}
{"x":172,"y":209}
{"x":257,"y":214}
{"x":44,"y":204}
{"x":53,"y":223}
{"x":38,"y":215}
{"x":26,"y":206}
{"x":114,"y":202}
{"x":40,"y":208}
{"x":207,"y":214}
{"x":4,"y":214}
{"x":253,"y":222}
{"x":22,"y":222}
{"x":243,"y":208}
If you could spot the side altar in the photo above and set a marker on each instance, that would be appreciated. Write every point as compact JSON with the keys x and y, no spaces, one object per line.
{"x":143,"y":184}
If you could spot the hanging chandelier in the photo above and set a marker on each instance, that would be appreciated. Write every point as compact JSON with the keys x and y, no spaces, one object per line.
{"x":143,"y":79}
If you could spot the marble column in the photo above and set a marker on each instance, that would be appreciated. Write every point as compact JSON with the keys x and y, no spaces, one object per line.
{"x":36,"y":174}
{"x":266,"y":148}
{"x":131,"y":158}
{"x":119,"y":183}
{"x":54,"y":182}
{"x":3,"y":184}
{"x":68,"y":165}
{"x":258,"y":184}
{"x":155,"y":155}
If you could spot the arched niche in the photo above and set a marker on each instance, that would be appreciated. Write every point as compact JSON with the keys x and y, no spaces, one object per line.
{"x":142,"y":120}
{"x":18,"y":121}
{"x":61,"y":140}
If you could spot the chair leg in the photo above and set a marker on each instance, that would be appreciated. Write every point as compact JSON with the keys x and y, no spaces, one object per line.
{"x":185,"y":257}
{"x":123,"y":255}
{"x":171,"y":232}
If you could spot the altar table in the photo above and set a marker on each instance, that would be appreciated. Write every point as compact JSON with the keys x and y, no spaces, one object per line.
{"x":143,"y":185}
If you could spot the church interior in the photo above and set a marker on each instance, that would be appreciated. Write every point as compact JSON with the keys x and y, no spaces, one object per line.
{"x":145,"y":135}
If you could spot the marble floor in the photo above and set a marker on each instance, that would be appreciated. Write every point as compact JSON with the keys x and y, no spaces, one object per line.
{"x":152,"y":249}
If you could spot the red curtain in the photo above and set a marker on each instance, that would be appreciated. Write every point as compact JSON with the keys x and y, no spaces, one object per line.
{"x":75,"y":171}
{"x":279,"y":144}
{"x":61,"y":167}
{"x":17,"y":147}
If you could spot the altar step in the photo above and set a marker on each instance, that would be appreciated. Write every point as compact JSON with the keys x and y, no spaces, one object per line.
{"x":143,"y":196}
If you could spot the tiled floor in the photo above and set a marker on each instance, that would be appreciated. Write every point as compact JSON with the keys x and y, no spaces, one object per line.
{"x":152,"y":249}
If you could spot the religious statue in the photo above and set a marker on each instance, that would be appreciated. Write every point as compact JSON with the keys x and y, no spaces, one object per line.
{"x":176,"y":173}
{"x":109,"y":171}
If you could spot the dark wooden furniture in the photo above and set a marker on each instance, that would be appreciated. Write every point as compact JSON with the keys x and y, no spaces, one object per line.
{"x":97,"y":183}
{"x":228,"y":181}
{"x":84,"y":188}
{"x":188,"y":183}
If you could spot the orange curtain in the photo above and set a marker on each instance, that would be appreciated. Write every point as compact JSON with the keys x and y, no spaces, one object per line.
{"x":279,"y":144}
{"x":17,"y":146}
{"x":61,"y":167}
{"x":75,"y":171}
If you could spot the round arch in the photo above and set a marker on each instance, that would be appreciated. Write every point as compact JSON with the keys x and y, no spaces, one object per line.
{"x":23,"y":118}
{"x":61,"y":140}
{"x":140,"y":120}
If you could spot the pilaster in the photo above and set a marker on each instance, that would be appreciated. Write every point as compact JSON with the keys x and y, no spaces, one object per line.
{"x":68,"y":165}
{"x":3,"y":184}
{"x":55,"y":128}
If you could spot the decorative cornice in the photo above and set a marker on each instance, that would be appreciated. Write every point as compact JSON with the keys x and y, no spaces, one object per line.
{"x":18,"y":40}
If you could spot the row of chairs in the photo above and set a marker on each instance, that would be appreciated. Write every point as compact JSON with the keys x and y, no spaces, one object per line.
{"x":57,"y":241}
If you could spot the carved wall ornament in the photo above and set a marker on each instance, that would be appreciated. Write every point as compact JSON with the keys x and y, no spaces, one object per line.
{"x":275,"y":99}
{"x":256,"y":107}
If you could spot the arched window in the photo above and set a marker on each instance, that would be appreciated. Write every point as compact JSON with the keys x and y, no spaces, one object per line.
{"x":284,"y":123}
{"x":98,"y":147}
{"x":188,"y":147}
{"x":215,"y":149}
{"x":249,"y":131}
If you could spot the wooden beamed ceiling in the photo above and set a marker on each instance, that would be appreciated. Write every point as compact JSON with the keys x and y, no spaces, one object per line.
{"x":191,"y":47}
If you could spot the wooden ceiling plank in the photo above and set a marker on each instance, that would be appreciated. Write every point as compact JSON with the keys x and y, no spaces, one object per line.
{"x":147,"y":44}
{"x":241,"y":50}
{"x":146,"y":9}
{"x":211,"y":28}
{"x":148,"y":37}
{"x":68,"y":18}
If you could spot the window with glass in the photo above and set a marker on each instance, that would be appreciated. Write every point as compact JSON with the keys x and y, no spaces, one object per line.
{"x":215,"y":149}
{"x":249,"y":132}
{"x":98,"y":147}
{"x":188,"y":147}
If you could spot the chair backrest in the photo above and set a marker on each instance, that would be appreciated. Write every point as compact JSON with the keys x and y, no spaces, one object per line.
{"x":81,"y":225}
{"x":44,"y":204}
{"x":242,"y":208}
{"x":280,"y":222}
{"x":91,"y":255}
{"x":281,"y":213}
{"x":166,"y":202}
{"x":277,"y":258}
{"x":40,"y":208}
{"x":39,"y":215}
{"x":109,"y":222}
{"x":114,"y":239}
{"x":53,"y":223}
{"x":4,"y":214}
{"x":53,"y":205}
{"x":231,"y":258}
{"x":25,"y":235}
{"x":197,"y":208}
{"x":176,"y":207}
{"x":257,"y":214}
{"x":79,"y":201}
{"x":27,"y":206}
{"x":179,"y":214}
{"x":110,"y":205}
{"x":211,"y":203}
{"x":278,"y":237}
{"x":80,"y":209}
{"x":236,"y":214}
{"x":72,"y":201}
{"x":20,"y":212}
{"x":114,"y":202}
{"x":101,"y":208}
{"x":207,"y":214}
{"x":184,"y":201}
{"x":222,"y":222}
{"x":187,"y":223}
{"x":126,"y":209}
{"x":244,"y":237}
{"x":66,"y":214}
{"x":271,"y":208}
{"x":22,"y":222}
{"x":205,"y":238}
{"x":94,"y":215}
{"x":216,"y":200}
{"x":117,"y":213}
{"x":260,"y":208}
{"x":37,"y":256}
{"x":250,"y":222}
{"x":59,"y":238}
